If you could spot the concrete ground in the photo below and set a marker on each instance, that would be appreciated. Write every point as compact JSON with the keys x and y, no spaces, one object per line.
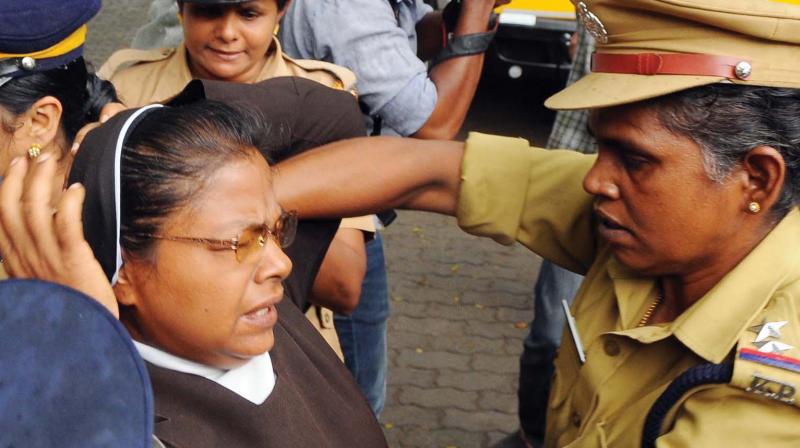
{"x":460,"y":304}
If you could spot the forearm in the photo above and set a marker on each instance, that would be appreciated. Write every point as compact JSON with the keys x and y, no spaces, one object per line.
{"x":338,"y":282}
{"x":474,"y":18}
{"x":456,"y":79}
{"x":429,"y":35}
{"x":366,"y":175}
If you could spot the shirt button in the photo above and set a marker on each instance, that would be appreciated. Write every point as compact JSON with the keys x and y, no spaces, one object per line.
{"x":576,"y":419}
{"x":326,"y":318}
{"x":611,"y":348}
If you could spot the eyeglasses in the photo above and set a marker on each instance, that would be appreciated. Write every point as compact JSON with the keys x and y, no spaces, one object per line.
{"x":247,"y":244}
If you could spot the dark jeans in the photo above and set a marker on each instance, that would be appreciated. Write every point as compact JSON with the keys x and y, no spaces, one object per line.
{"x":363,"y":333}
{"x":541,"y":345}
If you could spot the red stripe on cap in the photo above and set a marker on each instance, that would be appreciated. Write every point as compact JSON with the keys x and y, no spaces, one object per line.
{"x":666,"y":64}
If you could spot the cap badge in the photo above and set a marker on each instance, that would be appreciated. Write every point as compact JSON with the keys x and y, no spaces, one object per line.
{"x":743,"y":70}
{"x":28,"y":63}
{"x":592,"y":23}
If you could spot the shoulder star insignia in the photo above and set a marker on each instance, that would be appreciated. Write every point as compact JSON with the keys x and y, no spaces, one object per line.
{"x":768,"y":330}
{"x":773,"y":347}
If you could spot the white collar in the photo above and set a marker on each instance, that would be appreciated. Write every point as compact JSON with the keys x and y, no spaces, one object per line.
{"x":253,"y":381}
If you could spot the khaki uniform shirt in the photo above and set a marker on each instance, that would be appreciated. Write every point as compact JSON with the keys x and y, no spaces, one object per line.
{"x":512,"y":192}
{"x":149,"y":76}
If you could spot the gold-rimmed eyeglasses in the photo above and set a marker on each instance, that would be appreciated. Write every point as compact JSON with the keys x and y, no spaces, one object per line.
{"x":249,"y":242}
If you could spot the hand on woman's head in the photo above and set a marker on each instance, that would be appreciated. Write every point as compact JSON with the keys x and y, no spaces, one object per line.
{"x":43,"y":238}
{"x":108,"y":111}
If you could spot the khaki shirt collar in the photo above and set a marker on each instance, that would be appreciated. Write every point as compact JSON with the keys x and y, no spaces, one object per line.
{"x":178,"y":66}
{"x":176,"y":74}
{"x":711,"y":327}
{"x":275,"y":66}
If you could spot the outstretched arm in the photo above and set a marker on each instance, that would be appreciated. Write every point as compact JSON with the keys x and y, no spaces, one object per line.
{"x":366,"y":175}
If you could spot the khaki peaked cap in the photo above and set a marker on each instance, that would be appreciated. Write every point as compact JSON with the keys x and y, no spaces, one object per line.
{"x":763,"y":34}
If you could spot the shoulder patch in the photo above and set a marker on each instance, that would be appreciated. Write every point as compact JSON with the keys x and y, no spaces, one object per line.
{"x":125,"y":58}
{"x":344,"y":79}
{"x":767,"y":361}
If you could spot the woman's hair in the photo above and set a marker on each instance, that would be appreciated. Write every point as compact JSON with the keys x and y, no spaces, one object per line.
{"x":728,"y":121}
{"x":281,"y":4}
{"x":82,"y":95}
{"x":170,"y":156}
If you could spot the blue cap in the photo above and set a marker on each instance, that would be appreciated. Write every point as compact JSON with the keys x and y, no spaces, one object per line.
{"x":70,"y":374}
{"x":39,"y":35}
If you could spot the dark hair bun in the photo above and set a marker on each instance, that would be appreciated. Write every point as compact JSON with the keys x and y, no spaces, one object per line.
{"x":99,"y":92}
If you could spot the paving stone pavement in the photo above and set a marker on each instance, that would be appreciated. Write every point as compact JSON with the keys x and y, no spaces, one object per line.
{"x":460,"y":309}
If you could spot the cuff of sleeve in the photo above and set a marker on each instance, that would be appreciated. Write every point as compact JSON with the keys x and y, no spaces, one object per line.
{"x":411,"y":108}
{"x":495,"y":174}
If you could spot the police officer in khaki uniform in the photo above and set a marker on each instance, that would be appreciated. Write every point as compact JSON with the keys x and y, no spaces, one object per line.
{"x":230,"y":40}
{"x":686,"y":331}
{"x":226,"y":40}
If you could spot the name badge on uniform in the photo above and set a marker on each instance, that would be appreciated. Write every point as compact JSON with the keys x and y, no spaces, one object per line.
{"x":573,"y":331}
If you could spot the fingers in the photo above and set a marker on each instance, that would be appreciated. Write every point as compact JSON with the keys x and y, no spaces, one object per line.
{"x":14,"y":230}
{"x":81,"y":135}
{"x":6,"y":243}
{"x":37,"y":208}
{"x":108,"y":111}
{"x":81,"y":270}
{"x":68,"y":223}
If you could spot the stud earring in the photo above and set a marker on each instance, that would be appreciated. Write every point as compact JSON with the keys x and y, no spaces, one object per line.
{"x":34,"y":151}
{"x":754,"y":207}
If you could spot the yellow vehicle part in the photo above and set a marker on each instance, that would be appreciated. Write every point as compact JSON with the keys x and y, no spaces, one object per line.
{"x":545,"y":8}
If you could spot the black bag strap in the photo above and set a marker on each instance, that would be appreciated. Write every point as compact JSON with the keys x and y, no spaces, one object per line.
{"x":691,"y":378}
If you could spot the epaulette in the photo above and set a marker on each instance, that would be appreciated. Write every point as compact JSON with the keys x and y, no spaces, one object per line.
{"x":767,"y":361}
{"x":344,"y":79}
{"x":125,"y":58}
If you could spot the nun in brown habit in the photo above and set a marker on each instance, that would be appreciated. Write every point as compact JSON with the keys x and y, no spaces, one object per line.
{"x":180,"y":214}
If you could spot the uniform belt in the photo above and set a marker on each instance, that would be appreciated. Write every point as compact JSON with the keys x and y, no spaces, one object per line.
{"x":666,"y":64}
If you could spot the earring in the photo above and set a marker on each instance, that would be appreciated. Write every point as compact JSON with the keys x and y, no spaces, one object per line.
{"x":34,"y":151}
{"x":754,"y":207}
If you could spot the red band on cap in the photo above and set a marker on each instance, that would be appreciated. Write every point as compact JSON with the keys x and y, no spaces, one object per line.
{"x":666,"y":64}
